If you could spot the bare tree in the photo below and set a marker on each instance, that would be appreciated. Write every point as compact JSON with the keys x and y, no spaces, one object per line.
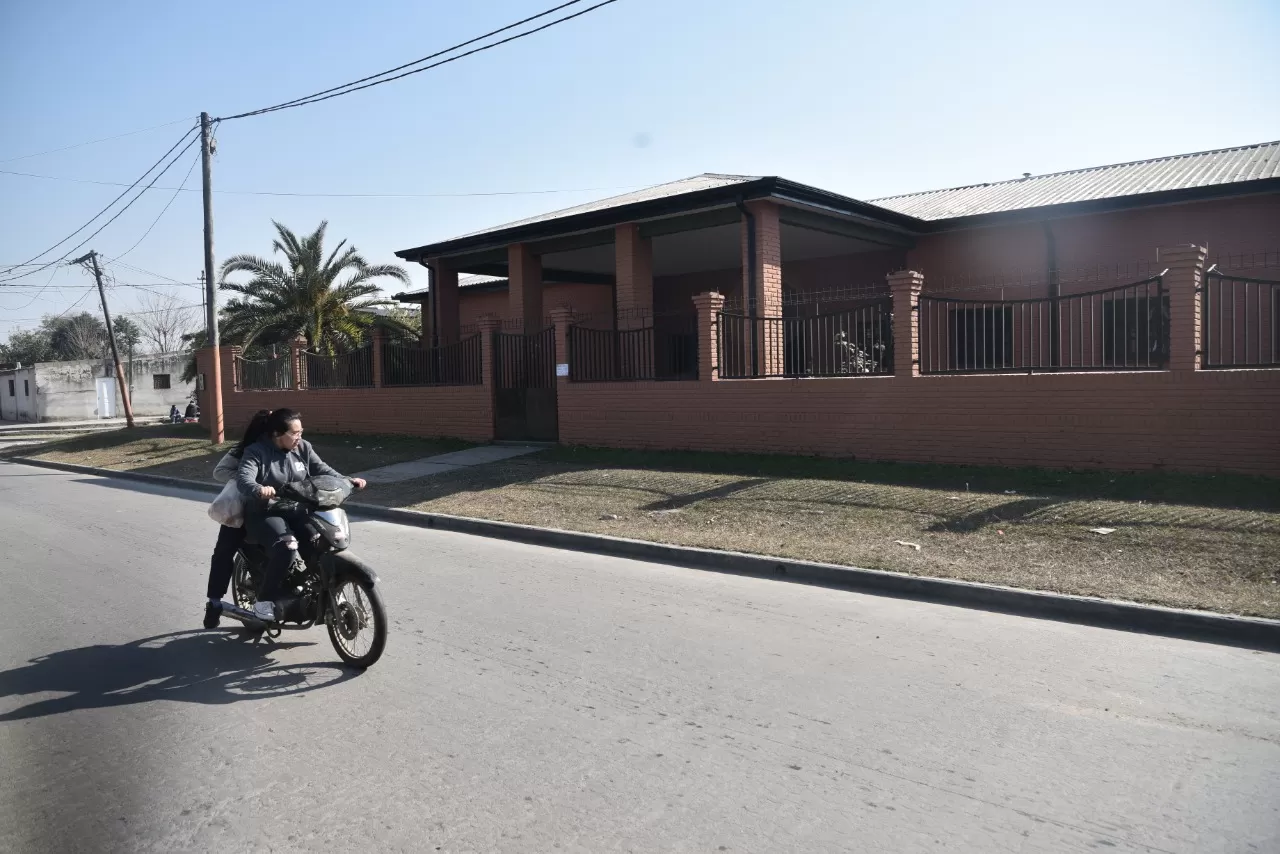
{"x":164,"y":320}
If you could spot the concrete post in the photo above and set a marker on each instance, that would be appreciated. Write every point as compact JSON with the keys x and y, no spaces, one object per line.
{"x":297,"y":370}
{"x":707,"y":306}
{"x":905,"y":286}
{"x":1182,"y":285}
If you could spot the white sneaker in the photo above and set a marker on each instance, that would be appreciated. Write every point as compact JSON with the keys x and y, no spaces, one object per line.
{"x":265,"y":611}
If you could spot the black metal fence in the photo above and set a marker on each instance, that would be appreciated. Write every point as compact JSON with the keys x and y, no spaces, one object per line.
{"x":1239,"y":318}
{"x":347,"y":370}
{"x":1123,"y":328}
{"x":856,"y":342}
{"x":668,"y":351}
{"x":268,"y":375}
{"x":451,"y":364}
{"x":525,"y":361}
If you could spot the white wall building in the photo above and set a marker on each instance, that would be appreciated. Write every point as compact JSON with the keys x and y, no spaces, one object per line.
{"x":87,"y":389}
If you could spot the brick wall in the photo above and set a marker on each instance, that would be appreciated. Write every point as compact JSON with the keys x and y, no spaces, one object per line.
{"x":464,"y":412}
{"x":1187,"y":420}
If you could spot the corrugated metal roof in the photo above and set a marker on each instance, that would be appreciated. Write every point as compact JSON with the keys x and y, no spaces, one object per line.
{"x":466,"y":280}
{"x":1182,"y":171}
{"x":705,"y":181}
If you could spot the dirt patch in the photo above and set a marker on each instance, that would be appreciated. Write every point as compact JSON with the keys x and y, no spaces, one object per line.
{"x":1209,"y":543}
{"x":184,"y":451}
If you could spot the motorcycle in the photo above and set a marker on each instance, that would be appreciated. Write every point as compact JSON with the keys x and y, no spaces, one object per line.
{"x":325,"y":583}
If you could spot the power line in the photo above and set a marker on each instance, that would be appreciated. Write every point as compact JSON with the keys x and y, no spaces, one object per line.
{"x":348,"y":88}
{"x":90,"y":290}
{"x":127,"y":205}
{"x":100,"y":213}
{"x":95,"y":141}
{"x":163,"y":211}
{"x":337,"y":195}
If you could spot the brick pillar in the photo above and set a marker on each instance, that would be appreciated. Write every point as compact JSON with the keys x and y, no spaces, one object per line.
{"x":488,"y":325}
{"x":633,"y":269}
{"x":1182,"y":285}
{"x":297,"y":369}
{"x":445,"y":280}
{"x":707,"y":306}
{"x":562,"y":319}
{"x":524,"y":292}
{"x":766,"y":290}
{"x":905,"y":286}
{"x":379,"y":345}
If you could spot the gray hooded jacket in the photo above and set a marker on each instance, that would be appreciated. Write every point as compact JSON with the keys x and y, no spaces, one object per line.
{"x":263,"y":464}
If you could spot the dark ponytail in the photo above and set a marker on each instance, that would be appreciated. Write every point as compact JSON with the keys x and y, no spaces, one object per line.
{"x":257,"y":427}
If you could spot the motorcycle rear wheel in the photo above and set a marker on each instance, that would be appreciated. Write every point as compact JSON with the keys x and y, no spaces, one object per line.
{"x":358,"y":629}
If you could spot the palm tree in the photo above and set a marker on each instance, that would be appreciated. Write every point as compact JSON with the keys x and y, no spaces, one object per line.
{"x":325,"y":300}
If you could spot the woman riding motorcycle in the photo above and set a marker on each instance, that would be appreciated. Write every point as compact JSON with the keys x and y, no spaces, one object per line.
{"x":280,"y":456}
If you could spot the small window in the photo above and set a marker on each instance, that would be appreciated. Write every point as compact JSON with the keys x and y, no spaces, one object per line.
{"x":10,"y":388}
{"x":26,"y":388}
{"x":160,"y":381}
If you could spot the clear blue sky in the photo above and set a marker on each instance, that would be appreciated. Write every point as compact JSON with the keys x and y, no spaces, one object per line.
{"x":866,"y":99}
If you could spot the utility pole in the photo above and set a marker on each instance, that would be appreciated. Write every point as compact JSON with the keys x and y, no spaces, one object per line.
{"x":111,"y":336}
{"x":214,"y":386}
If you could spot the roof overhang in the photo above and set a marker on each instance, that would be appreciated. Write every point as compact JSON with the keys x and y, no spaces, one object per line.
{"x":714,"y":205}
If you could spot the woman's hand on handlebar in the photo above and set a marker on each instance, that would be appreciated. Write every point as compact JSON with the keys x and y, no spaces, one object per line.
{"x":266,"y":492}
{"x":359,"y":482}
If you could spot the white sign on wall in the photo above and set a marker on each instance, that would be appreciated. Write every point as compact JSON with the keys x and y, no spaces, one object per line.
{"x":562,"y":369}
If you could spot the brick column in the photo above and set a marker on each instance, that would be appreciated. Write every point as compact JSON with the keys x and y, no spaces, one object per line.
{"x":633,"y":269}
{"x":707,"y":306}
{"x":296,"y":369}
{"x":445,"y":280}
{"x":766,"y":290}
{"x":524,"y":291}
{"x":487,"y":326}
{"x":905,"y":286}
{"x":562,"y":319}
{"x":1182,"y":286}
{"x":379,"y":345}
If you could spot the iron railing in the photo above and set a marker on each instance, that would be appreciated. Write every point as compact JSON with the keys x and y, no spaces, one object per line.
{"x":857,"y":342}
{"x":451,"y":364}
{"x":669,"y":352}
{"x":1239,"y":318}
{"x":346,"y":370}
{"x":525,"y":361}
{"x":267,"y":375}
{"x":1123,"y":328}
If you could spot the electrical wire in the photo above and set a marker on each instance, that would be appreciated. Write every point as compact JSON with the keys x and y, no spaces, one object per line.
{"x":127,"y":205}
{"x":364,"y":83}
{"x":95,"y":141}
{"x":96,"y":216}
{"x":337,"y":195}
{"x":164,"y":210}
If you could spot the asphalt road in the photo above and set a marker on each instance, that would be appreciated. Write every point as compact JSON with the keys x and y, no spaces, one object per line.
{"x":533,"y":700}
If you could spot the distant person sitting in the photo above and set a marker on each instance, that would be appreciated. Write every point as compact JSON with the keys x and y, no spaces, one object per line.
{"x":192,"y":412}
{"x":174,"y":416}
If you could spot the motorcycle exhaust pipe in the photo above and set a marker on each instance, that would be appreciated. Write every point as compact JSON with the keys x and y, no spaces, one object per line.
{"x":245,"y":616}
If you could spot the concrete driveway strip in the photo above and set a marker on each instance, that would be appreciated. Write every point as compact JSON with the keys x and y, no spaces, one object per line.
{"x":538,"y":700}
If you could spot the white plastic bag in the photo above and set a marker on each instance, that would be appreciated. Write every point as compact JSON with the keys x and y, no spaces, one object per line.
{"x":228,"y":508}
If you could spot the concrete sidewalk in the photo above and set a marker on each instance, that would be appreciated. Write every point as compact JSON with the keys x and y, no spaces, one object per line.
{"x":441,"y":463}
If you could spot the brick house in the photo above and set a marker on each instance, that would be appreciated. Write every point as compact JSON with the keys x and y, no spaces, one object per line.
{"x":1125,"y":316}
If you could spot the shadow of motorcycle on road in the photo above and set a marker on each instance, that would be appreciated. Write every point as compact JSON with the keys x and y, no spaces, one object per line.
{"x":191,"y":667}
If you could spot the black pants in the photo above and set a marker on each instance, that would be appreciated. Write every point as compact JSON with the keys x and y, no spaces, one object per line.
{"x":277,"y":531}
{"x":223,"y":562}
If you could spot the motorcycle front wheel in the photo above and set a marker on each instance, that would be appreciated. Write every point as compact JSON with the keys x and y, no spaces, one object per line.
{"x":358,"y":627}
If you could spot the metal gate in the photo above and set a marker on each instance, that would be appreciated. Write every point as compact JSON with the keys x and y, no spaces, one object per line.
{"x":525,"y":387}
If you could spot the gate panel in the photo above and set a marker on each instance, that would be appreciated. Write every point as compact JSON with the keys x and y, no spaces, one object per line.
{"x":525,"y":386}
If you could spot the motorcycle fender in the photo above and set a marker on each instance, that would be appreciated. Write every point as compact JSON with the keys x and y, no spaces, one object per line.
{"x":347,"y":565}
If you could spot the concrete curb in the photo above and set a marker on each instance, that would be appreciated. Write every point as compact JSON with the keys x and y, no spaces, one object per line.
{"x":1251,"y":632}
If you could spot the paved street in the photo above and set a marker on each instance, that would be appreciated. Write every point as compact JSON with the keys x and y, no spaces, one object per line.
{"x":534,"y":700}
